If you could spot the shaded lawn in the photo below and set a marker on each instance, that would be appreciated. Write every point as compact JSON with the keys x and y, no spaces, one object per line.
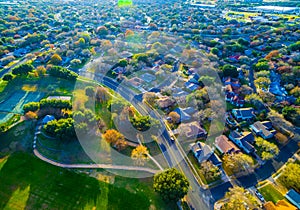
{"x":27,"y":182}
{"x":270,"y":193}
{"x":22,"y":133}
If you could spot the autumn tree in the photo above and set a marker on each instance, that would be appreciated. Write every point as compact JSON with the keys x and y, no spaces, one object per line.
{"x":140,"y":155}
{"x":210,"y":171}
{"x":115,"y":138}
{"x":175,"y":117}
{"x":102,"y":95}
{"x":56,"y":59}
{"x":171,"y":185}
{"x":239,"y":198}
{"x":236,"y":163}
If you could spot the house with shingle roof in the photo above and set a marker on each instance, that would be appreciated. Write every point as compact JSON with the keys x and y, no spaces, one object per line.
{"x":263,"y":129}
{"x":203,"y":152}
{"x":243,"y":113}
{"x":243,"y":140}
{"x":225,"y":146}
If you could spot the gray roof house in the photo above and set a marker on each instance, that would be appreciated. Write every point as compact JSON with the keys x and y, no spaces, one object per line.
{"x":243,"y":113}
{"x":203,"y":152}
{"x":243,"y":140}
{"x":263,"y":129}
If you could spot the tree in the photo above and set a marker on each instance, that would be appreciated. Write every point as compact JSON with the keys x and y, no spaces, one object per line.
{"x":262,"y":82}
{"x":290,"y":176}
{"x":123,"y":63}
{"x":149,"y":97}
{"x":7,"y":77}
{"x":115,"y":138}
{"x":90,"y":91}
{"x":62,"y":129}
{"x":56,"y":59}
{"x":41,"y":71}
{"x":23,"y":69}
{"x":175,"y":117}
{"x":31,"y":106}
{"x":102,"y":95}
{"x":263,"y":65}
{"x":214,"y":51}
{"x":210,"y":171}
{"x":140,"y":154}
{"x":142,"y":123}
{"x":239,"y":198}
{"x":236,"y":163}
{"x":171,"y":185}
{"x":58,"y":71}
{"x":230,"y":71}
{"x":102,"y":31}
{"x":292,"y":114}
{"x":295,"y":91}
{"x":268,"y":150}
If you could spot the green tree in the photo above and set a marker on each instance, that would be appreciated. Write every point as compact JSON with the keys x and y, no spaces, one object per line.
{"x":230,"y":71}
{"x":90,"y":91}
{"x":262,"y":82}
{"x":171,"y":185}
{"x":31,"y":106}
{"x":268,"y":150}
{"x":7,"y":77}
{"x":62,"y":129}
{"x":23,"y":69}
{"x":239,"y":198}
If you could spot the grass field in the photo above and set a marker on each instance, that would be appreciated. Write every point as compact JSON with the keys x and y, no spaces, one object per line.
{"x":28,"y":183}
{"x":270,"y":193}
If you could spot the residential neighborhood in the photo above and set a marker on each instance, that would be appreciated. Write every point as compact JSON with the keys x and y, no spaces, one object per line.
{"x":177,"y":104}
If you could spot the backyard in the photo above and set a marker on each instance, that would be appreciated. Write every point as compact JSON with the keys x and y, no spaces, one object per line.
{"x":270,"y":193}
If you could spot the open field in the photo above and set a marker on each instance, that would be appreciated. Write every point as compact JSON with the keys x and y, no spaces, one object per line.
{"x":28,"y":183}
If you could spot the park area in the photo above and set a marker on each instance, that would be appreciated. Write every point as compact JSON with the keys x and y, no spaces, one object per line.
{"x":29,"y":183}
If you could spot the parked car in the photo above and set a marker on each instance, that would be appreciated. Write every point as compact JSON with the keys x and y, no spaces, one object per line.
{"x":261,"y":198}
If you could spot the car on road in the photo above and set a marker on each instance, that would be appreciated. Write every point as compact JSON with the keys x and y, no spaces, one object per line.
{"x":261,"y":198}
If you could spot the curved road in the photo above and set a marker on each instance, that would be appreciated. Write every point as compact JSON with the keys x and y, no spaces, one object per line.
{"x":90,"y":166}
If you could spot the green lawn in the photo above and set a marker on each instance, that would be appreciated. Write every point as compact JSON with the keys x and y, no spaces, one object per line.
{"x":29,"y":183}
{"x":270,"y":193}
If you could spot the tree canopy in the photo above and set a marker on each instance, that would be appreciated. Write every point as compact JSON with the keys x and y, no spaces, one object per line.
{"x":23,"y":69}
{"x":171,"y":185}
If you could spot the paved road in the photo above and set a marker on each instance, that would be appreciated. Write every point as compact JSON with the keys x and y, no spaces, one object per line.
{"x":198,"y":198}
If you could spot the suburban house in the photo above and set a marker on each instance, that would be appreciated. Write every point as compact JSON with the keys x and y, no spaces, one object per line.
{"x":243,"y":140}
{"x":165,"y":102}
{"x":185,"y":113}
{"x":263,"y":129}
{"x":192,"y":130}
{"x":293,"y":197}
{"x":203,"y":152}
{"x":225,"y":146}
{"x":243,"y":113}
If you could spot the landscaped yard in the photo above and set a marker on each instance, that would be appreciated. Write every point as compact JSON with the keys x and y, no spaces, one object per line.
{"x":270,"y":193}
{"x":29,"y":183}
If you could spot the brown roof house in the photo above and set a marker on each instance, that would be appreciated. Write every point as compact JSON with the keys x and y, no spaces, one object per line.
{"x":165,"y":102}
{"x":192,"y":130}
{"x":225,"y":146}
